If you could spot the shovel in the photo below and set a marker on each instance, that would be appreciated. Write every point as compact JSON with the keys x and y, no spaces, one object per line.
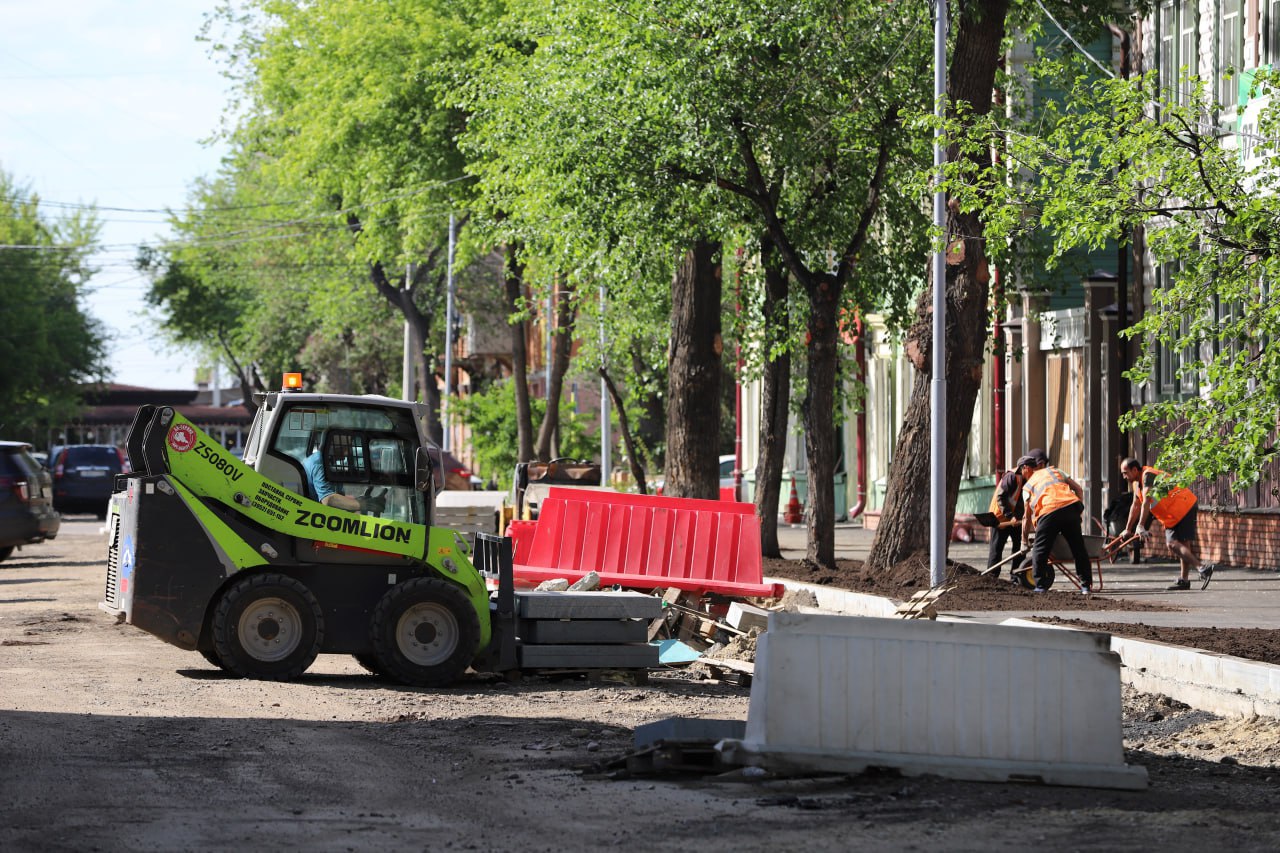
{"x":988,"y":519}
{"x":1009,"y":559}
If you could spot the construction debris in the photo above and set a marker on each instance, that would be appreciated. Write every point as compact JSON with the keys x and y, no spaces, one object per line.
{"x":922,"y":605}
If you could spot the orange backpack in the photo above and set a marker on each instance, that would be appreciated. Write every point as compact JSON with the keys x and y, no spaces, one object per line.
{"x":1174,"y":506}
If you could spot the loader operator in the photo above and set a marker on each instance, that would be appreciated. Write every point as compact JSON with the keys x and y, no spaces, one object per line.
{"x":1054,"y":504}
{"x":323,"y":491}
{"x":1176,"y":511}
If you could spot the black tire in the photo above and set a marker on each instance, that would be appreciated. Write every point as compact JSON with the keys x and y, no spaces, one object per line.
{"x":212,"y":657}
{"x":268,"y":627}
{"x":371,"y":663}
{"x":1022,"y":576}
{"x":425,"y":632}
{"x":6,"y":552}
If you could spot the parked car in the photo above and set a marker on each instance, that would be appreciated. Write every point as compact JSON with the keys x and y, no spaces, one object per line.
{"x":84,"y":475}
{"x":726,"y":475}
{"x":26,"y":514}
{"x":726,"y":471}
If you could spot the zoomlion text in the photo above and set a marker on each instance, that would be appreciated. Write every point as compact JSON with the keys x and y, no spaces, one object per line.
{"x":354,"y":526}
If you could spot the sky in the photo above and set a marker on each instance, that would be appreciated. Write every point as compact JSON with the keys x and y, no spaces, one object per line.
{"x":110,"y":102}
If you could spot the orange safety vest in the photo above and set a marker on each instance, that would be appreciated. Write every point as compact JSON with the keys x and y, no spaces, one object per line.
{"x":1046,"y":491}
{"x":995,"y":509}
{"x":1174,"y":506}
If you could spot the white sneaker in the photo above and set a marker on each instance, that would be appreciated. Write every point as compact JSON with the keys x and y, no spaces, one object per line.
{"x":1086,"y":591}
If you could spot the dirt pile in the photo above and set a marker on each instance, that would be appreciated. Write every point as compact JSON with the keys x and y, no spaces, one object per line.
{"x":972,"y":590}
{"x":1260,"y":644}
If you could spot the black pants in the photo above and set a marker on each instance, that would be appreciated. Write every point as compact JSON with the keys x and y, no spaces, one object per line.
{"x":1064,"y":521}
{"x":1001,"y":535}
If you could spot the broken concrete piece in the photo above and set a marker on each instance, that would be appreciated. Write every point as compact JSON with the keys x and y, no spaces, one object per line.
{"x":745,"y":616}
{"x":586,"y":583}
{"x":553,"y":585}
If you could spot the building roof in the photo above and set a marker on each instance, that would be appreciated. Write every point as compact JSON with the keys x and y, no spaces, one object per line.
{"x":202,"y":415}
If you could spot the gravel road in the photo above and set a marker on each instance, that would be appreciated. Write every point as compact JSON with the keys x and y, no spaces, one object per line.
{"x":111,"y":740}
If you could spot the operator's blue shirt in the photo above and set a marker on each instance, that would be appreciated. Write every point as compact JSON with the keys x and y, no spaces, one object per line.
{"x":316,"y":480}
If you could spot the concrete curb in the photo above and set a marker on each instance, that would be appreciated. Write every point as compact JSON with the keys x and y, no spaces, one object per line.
{"x":1220,"y":684}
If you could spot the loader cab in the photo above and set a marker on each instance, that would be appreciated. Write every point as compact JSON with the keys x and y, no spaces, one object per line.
{"x":363,"y":444}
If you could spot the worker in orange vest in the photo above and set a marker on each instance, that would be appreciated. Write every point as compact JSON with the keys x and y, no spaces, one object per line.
{"x":1177,"y":511}
{"x":1054,"y":507}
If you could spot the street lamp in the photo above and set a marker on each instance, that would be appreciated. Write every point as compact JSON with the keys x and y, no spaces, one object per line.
{"x":938,"y":388}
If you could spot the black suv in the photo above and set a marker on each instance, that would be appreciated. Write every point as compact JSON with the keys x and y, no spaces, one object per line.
{"x":25,"y":514}
{"x":84,"y":475}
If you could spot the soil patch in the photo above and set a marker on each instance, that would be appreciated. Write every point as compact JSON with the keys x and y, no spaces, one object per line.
{"x":1260,"y":644}
{"x":972,"y":590}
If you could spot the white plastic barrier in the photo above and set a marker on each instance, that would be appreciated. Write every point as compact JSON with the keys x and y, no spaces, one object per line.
{"x":967,"y":701}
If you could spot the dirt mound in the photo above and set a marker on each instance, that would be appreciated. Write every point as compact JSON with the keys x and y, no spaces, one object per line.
{"x":972,"y":590}
{"x":1260,"y":644}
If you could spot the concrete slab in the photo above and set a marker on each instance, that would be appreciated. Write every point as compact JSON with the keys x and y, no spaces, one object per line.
{"x":541,"y":632}
{"x":687,"y":730}
{"x":541,"y":604}
{"x":620,"y":656}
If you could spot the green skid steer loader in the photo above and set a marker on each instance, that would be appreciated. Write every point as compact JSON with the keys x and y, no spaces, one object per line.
{"x":239,"y":562}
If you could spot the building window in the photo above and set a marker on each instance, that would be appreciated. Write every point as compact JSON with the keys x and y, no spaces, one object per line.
{"x":1188,"y":48}
{"x":1271,"y":34}
{"x":1230,"y":57}
{"x":1167,"y":60}
{"x":1171,"y":378}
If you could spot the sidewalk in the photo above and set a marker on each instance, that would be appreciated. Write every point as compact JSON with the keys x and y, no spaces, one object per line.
{"x":1237,"y":598}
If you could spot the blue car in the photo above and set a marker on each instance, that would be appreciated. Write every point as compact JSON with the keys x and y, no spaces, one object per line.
{"x":26,"y":514}
{"x":84,"y":475}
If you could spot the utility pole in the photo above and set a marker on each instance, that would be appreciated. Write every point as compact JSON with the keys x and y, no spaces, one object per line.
{"x":938,"y":388}
{"x":606,"y":437}
{"x":406,"y":369}
{"x":448,"y":341}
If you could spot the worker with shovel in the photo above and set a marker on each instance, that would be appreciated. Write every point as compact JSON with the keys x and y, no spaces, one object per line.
{"x":1007,"y":507}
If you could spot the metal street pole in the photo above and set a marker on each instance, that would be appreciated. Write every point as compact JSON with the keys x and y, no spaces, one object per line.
{"x":407,"y":368}
{"x":448,"y":341}
{"x":606,"y":437}
{"x":938,"y":388}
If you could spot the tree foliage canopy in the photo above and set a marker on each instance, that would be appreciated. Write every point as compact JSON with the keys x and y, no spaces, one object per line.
{"x":50,"y":345}
{"x":1115,"y":154}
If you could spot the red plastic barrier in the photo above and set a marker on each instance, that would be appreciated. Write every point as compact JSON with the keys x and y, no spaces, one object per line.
{"x":645,"y":541}
{"x":521,"y":532}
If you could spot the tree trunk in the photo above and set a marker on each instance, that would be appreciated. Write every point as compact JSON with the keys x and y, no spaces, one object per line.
{"x":406,"y":300}
{"x":775,"y":398}
{"x":514,"y":283}
{"x":566,"y":314}
{"x":693,"y":398}
{"x":819,"y":420}
{"x":903,"y":530}
{"x":628,"y":440}
{"x":651,"y":427}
